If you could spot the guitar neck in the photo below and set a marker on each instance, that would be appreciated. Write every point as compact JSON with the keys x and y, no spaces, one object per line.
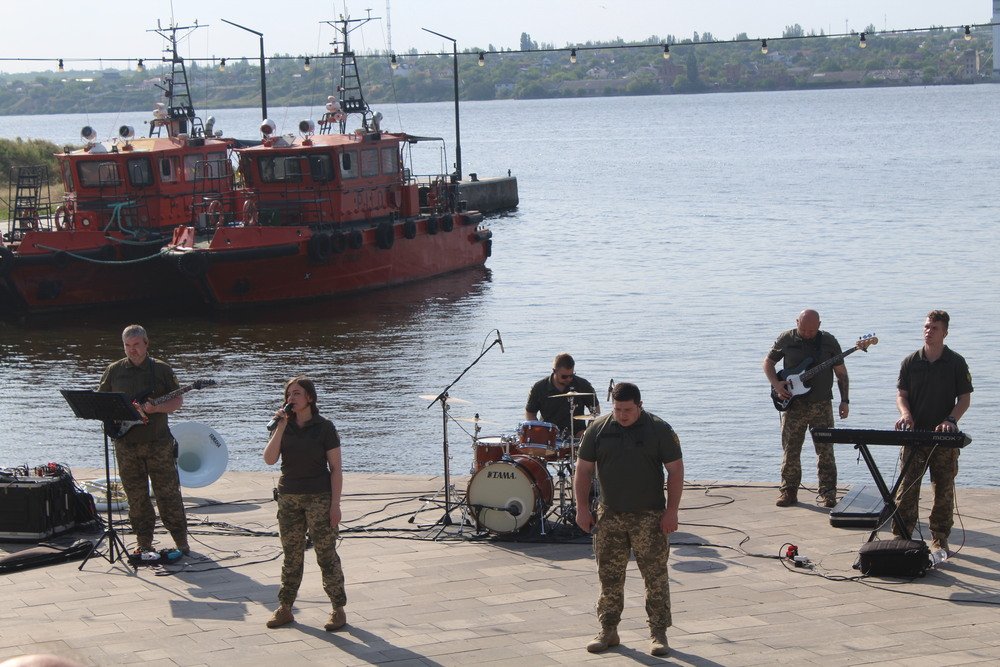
{"x":172,"y":395}
{"x":832,"y":361}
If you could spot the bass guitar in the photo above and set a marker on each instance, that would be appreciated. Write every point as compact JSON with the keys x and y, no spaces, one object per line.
{"x":121,"y":428}
{"x":797,"y":379}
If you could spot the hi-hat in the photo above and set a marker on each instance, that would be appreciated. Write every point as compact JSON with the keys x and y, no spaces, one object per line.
{"x":585,"y":418}
{"x":475,"y":420}
{"x":569,"y":393}
{"x":451,"y":399}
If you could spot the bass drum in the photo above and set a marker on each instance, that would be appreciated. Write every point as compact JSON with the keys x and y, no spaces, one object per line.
{"x":505,"y":495}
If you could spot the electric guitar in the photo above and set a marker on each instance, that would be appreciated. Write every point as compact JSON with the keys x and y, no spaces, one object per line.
{"x":126,"y":426}
{"x":797,"y":379}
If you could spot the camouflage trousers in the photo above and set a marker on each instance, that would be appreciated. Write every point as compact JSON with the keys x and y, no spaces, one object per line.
{"x":943,"y":465}
{"x":139,"y":465}
{"x":617,"y":534}
{"x":794,"y":422}
{"x":297,"y":514}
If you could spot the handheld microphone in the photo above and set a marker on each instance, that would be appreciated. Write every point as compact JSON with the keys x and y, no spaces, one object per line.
{"x":500,"y":341}
{"x":273,"y":424}
{"x":611,"y":386}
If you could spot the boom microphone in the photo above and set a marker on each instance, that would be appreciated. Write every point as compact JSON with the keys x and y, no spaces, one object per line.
{"x":500,"y":340}
{"x":273,"y":424}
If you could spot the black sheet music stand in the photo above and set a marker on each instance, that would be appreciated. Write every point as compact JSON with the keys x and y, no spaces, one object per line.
{"x":107,"y":407}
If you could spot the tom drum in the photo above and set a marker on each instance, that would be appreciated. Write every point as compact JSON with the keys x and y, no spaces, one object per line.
{"x":489,"y":449}
{"x":504,"y":495}
{"x":537,"y":439}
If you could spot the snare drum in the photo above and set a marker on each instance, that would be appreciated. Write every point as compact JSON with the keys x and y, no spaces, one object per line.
{"x":489,"y":449}
{"x":505,"y":495}
{"x":537,"y":439}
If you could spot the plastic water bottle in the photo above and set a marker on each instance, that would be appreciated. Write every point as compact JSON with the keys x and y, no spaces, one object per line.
{"x":938,"y":556}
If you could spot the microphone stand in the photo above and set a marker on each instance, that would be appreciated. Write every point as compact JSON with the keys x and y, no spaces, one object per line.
{"x":442,"y":398}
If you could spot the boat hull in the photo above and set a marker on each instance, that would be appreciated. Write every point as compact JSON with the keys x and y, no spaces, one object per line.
{"x":71,"y":270}
{"x":248,"y":266}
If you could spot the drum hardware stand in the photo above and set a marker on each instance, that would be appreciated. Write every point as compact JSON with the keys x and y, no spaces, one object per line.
{"x":108,"y":407}
{"x":442,"y":398}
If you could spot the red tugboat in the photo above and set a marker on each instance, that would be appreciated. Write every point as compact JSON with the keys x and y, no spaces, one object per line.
{"x":330,"y":213}
{"x":123,"y":199}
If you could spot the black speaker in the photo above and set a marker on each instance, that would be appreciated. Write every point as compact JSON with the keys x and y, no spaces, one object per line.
{"x":34,"y":508}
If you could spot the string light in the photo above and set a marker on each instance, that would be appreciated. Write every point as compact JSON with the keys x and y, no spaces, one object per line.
{"x":308,"y":65}
{"x":666,"y":52}
{"x":572,"y":56}
{"x":140,"y":67}
{"x":968,"y":34}
{"x":61,"y":68}
{"x":763,"y":46}
{"x":222,"y":65}
{"x":863,"y":44}
{"x":392,"y":62}
{"x":482,"y":59}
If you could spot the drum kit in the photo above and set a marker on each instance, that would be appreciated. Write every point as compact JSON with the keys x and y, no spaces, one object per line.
{"x":525,"y":480}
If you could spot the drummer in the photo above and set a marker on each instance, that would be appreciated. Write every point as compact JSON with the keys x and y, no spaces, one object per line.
{"x":542,"y":397}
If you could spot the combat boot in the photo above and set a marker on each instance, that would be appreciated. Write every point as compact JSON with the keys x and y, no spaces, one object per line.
{"x":658,"y":643}
{"x":338,"y":619}
{"x":282,"y":616}
{"x":605,"y":639}
{"x":787,"y":499}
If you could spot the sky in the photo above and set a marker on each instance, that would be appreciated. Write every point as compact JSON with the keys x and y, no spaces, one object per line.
{"x":114,"y":29}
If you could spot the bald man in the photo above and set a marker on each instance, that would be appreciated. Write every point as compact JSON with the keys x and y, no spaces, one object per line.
{"x":814,"y":408}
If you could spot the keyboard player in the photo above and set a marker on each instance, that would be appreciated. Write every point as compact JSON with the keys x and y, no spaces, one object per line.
{"x":934,"y":391}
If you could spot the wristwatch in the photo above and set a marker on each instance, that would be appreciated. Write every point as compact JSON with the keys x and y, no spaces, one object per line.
{"x":951,"y":419}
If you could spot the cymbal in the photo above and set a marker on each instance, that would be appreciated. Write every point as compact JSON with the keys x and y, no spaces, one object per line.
{"x":475,"y":420}
{"x":572,"y":393}
{"x":585,"y":418}
{"x":451,"y":399}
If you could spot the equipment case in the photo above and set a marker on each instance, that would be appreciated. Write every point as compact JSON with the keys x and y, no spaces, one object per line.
{"x":35,"y":508}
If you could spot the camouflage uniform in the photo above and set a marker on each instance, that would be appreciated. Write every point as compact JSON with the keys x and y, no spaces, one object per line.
{"x":943,"y":465}
{"x":147,"y":453}
{"x":794,"y":422}
{"x":616,"y":534}
{"x":932,"y":389}
{"x":308,"y":512}
{"x":155,"y":462}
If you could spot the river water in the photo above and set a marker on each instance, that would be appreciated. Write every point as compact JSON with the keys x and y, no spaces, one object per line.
{"x":663,"y":240}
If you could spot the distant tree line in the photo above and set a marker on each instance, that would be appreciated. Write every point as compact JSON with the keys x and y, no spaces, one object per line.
{"x":697,"y":64}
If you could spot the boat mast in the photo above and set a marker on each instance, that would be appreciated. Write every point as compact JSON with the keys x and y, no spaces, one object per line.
{"x":350,"y":94}
{"x":177,"y":113}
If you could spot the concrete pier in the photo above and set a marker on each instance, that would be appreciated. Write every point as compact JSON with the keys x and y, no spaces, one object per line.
{"x":488,"y":195}
{"x":468,"y":599}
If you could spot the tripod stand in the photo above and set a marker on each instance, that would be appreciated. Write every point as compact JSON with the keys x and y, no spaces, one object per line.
{"x":442,"y":398}
{"x":107,"y":407}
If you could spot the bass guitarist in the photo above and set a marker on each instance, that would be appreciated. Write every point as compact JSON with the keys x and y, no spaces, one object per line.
{"x":806,"y":345}
{"x":147,"y":452}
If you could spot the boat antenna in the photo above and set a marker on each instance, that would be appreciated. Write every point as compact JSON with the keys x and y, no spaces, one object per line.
{"x":349,"y":93}
{"x":177,"y":112}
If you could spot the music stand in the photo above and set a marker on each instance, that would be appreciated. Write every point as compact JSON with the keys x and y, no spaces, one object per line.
{"x":107,"y":407}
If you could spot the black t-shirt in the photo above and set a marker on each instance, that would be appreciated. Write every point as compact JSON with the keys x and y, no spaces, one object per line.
{"x":556,"y":410}
{"x":304,"y":466}
{"x":933,"y":387}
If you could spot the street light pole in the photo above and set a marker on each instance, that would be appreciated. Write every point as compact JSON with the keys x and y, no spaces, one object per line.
{"x":458,"y":134}
{"x":263,"y":76}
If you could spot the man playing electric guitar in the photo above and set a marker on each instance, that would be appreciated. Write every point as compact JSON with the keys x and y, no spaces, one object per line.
{"x":146,"y":453}
{"x":812,"y":408}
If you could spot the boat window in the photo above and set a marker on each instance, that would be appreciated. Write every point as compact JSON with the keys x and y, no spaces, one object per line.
{"x":210,"y":166}
{"x":369,"y":162}
{"x":279,"y":169}
{"x":140,"y":172}
{"x":390,"y":161}
{"x":168,"y":169}
{"x":321,"y":167}
{"x":67,"y":176}
{"x":96,"y":174}
{"x":348,"y":164}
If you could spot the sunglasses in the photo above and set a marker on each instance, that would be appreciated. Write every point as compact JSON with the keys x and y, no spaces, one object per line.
{"x":564,"y":376}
